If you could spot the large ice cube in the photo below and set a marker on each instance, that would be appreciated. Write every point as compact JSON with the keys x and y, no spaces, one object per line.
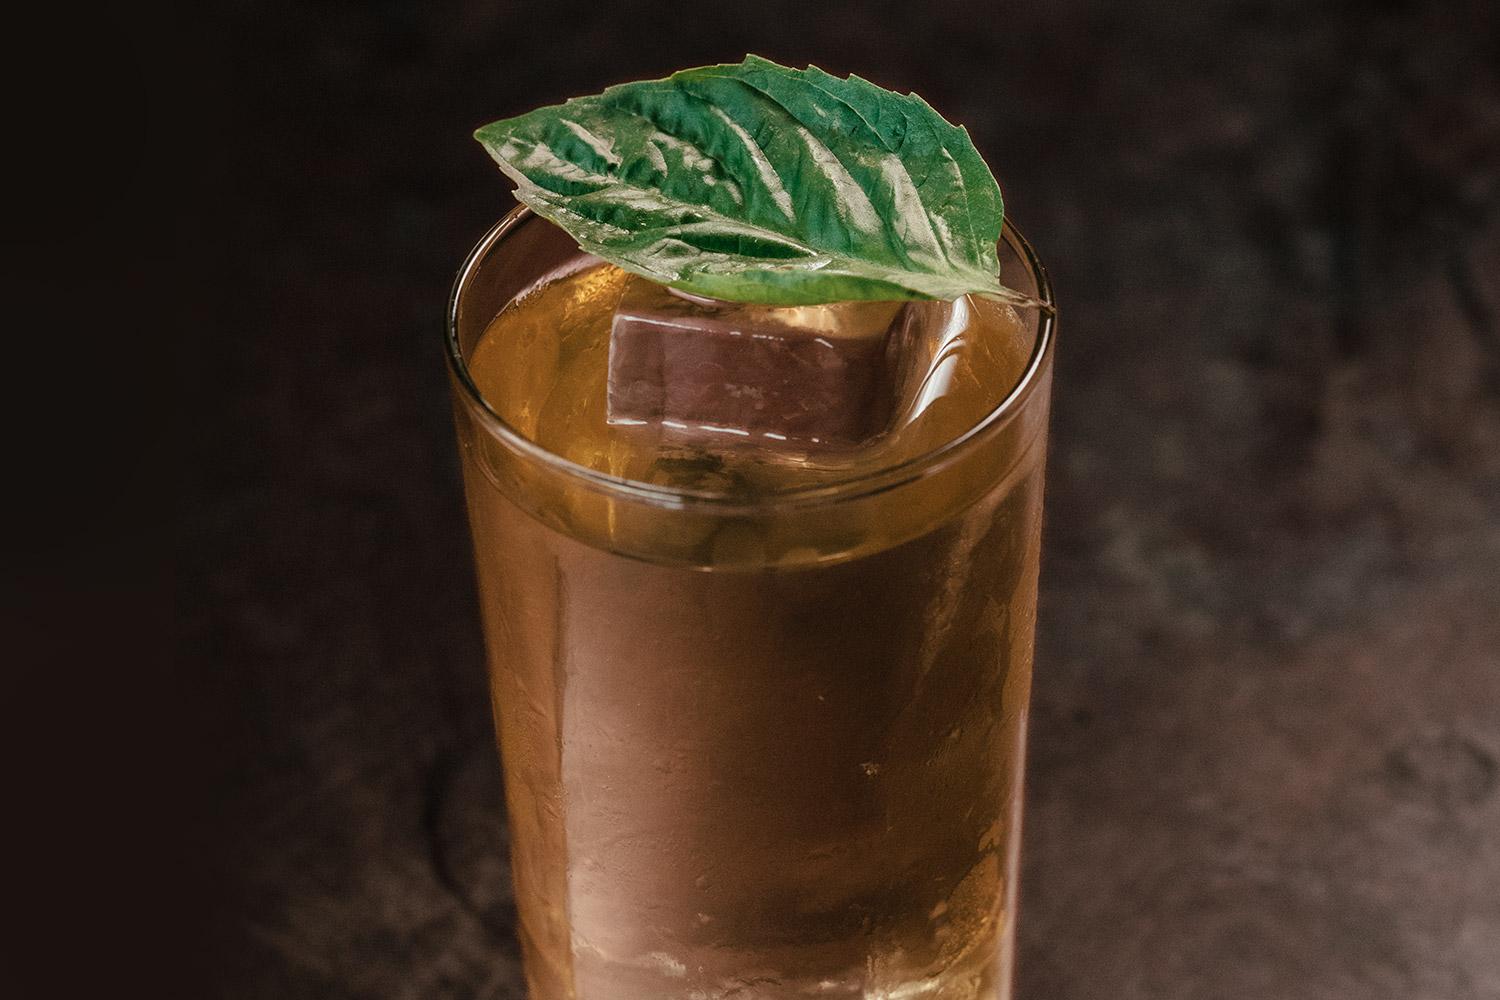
{"x":823,"y":375}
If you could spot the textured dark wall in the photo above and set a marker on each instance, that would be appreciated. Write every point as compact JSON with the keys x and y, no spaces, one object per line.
{"x":1267,"y":705}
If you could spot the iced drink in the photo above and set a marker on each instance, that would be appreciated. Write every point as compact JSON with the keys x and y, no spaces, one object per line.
{"x":759,"y":673}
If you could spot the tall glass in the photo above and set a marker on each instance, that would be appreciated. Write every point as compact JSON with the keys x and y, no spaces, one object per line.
{"x":765,"y":748}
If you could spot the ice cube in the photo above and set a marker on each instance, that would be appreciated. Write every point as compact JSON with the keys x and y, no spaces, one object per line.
{"x":805,"y":376}
{"x":926,"y":347}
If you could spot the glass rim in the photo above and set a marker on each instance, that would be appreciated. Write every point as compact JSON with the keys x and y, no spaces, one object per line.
{"x":838,"y":486}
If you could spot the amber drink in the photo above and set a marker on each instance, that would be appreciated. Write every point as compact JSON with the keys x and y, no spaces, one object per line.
{"x":760,"y":696}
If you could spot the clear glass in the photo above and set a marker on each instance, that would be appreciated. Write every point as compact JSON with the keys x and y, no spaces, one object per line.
{"x":765,"y":748}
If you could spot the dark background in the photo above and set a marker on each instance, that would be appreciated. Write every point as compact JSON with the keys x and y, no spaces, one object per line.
{"x":1266,"y":716}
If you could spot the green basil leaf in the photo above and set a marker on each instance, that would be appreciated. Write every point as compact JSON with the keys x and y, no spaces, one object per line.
{"x":760,"y":183}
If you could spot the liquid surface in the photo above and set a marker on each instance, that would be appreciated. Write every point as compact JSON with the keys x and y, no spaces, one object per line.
{"x":543,"y":365}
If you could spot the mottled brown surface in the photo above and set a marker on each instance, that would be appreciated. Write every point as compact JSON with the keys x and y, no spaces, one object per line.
{"x":1267,"y":709}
